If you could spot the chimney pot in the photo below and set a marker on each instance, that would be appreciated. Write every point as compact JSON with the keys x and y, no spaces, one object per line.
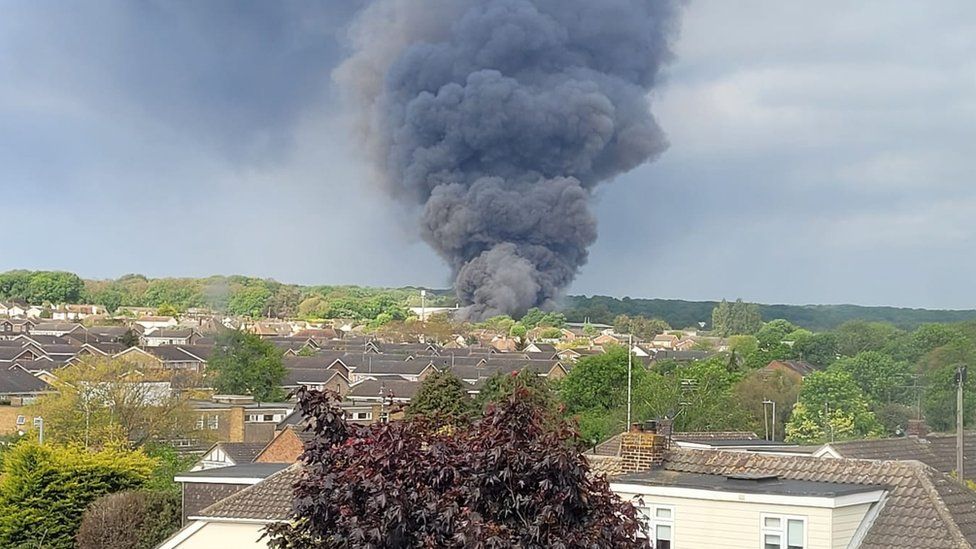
{"x":917,"y":428}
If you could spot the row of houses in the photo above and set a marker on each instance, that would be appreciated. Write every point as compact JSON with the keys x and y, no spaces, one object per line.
{"x":715,"y":490}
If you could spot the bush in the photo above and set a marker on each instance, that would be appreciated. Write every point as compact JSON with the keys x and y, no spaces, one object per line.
{"x":129,"y":520}
{"x":44,"y":490}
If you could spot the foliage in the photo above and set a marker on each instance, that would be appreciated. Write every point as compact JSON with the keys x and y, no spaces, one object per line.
{"x":737,"y":318}
{"x":682,"y":313}
{"x":249,"y":301}
{"x":818,"y":349}
{"x":511,"y":479}
{"x":39,"y":287}
{"x":245,"y":364}
{"x":831,"y":406}
{"x":938,"y":370}
{"x":858,"y":336}
{"x":599,"y":381}
{"x":442,"y":397}
{"x":169,"y":463}
{"x":44,"y":490}
{"x":879,"y":376}
{"x":776,"y":386}
{"x":101,"y":401}
{"x":535,"y":318}
{"x":640,"y":326}
{"x":167,"y":309}
{"x":774,"y":333}
{"x":501,"y":386}
{"x":134,"y":519}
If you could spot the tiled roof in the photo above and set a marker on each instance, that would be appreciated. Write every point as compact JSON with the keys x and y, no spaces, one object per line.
{"x":242,"y":452}
{"x":270,"y":499}
{"x":935,"y":450}
{"x":605,"y":465}
{"x":373,"y":388}
{"x":14,"y":381}
{"x":924,"y":508}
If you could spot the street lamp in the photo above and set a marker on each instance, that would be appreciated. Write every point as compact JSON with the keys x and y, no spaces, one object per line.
{"x":39,"y":423}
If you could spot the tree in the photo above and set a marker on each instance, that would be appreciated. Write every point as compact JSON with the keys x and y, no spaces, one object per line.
{"x":443,"y":397}
{"x":818,"y":349}
{"x":511,"y":479}
{"x":129,"y":339}
{"x":640,"y":326}
{"x":167,"y":309}
{"x":857,"y":336}
{"x":774,"y":332}
{"x":831,"y":406}
{"x":881,"y":377}
{"x":245,"y":364}
{"x":54,"y":287}
{"x":249,"y":301}
{"x":761,"y":386}
{"x":44,"y":490}
{"x":134,"y":519}
{"x":938,"y":371}
{"x":738,"y":318}
{"x":599,"y":381}
{"x":501,"y":386}
{"x":102,"y":401}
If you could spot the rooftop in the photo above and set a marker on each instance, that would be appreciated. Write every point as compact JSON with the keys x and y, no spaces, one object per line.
{"x":746,"y":484}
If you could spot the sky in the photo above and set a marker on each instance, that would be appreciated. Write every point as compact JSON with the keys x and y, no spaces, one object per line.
{"x":819,"y":153}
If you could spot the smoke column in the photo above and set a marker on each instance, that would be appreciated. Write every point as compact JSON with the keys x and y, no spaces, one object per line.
{"x":498,"y":118}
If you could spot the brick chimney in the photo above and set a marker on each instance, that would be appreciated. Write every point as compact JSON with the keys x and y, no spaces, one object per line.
{"x":642,"y":448}
{"x":917,"y":428}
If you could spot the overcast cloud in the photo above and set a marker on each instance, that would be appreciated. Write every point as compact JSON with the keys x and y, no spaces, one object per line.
{"x":820,"y":153}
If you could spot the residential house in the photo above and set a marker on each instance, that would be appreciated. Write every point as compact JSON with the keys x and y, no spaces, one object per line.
{"x":67,"y":311}
{"x":318,"y":379}
{"x":608,"y":339}
{"x":235,"y":418}
{"x":228,"y":454}
{"x":797,"y":369}
{"x":57,"y":329}
{"x":18,"y":388}
{"x":937,"y":450}
{"x":732,"y":499}
{"x":239,"y":520}
{"x":155,"y":322}
{"x":665,"y":341}
{"x":203,"y":488}
{"x":169,"y":336}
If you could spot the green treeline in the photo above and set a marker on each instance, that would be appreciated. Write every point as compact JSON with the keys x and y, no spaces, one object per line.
{"x":684,"y":314}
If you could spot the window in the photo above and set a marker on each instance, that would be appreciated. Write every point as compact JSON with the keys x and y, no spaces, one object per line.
{"x":783,"y":532}
{"x":362,"y":415}
{"x":214,"y":422}
{"x":200,"y":424}
{"x":658,"y":524}
{"x":21,"y":420}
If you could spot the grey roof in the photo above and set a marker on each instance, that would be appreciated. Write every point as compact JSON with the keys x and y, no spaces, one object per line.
{"x":321,"y":359}
{"x":935,"y":450}
{"x":800,"y":367}
{"x":372,"y":388}
{"x":15,"y":381}
{"x":746,"y":484}
{"x":270,"y":499}
{"x":242,"y":452}
{"x":611,"y":446}
{"x":170,"y":333}
{"x":923,"y":508}
{"x":295,"y":376}
{"x":56,"y":327}
{"x":246,"y":470}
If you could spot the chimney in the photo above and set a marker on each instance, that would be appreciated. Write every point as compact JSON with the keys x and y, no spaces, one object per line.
{"x":236,"y":427}
{"x":642,"y":448}
{"x":917,"y":428}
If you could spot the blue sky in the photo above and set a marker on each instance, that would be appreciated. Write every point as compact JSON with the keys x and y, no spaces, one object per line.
{"x":820,"y":153}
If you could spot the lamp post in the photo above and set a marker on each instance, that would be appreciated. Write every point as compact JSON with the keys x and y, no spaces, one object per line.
{"x":630,"y":369}
{"x":39,"y":423}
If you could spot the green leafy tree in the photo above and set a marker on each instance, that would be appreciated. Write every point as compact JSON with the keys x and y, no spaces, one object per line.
{"x":857,"y":336}
{"x":167,"y":309}
{"x":761,"y":386}
{"x":737,"y":318}
{"x":938,"y":371}
{"x":774,"y":332}
{"x":134,"y":519}
{"x":249,"y":301}
{"x":599,"y":381}
{"x":818,"y":349}
{"x":243,"y":363}
{"x":44,"y":490}
{"x":831,"y":406}
{"x":442,"y":396}
{"x":880,"y":377}
{"x":54,"y":287}
{"x":501,"y":386}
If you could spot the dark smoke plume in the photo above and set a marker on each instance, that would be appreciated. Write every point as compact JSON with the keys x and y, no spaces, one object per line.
{"x":499,"y":117}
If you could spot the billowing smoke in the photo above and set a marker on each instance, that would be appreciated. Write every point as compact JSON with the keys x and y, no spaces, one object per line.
{"x":499,"y":117}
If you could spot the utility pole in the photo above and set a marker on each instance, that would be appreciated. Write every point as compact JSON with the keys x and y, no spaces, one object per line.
{"x":630,"y":369}
{"x":960,"y":435}
{"x":39,"y":423}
